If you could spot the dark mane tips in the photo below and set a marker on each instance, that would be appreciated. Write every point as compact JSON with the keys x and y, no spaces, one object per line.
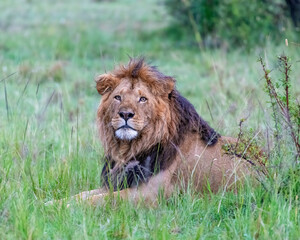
{"x":137,"y":64}
{"x":132,"y":69}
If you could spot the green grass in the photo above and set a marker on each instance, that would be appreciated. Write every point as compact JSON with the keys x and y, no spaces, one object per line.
{"x":49,"y":145}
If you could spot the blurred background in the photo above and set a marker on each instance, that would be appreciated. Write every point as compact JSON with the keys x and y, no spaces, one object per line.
{"x":212,"y":45}
{"x":236,"y":23}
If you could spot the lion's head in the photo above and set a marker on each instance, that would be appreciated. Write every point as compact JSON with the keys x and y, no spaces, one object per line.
{"x":140,"y":108}
{"x":134,"y":113}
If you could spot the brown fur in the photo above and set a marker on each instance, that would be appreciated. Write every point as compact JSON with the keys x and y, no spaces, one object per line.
{"x":173,"y":145}
{"x":167,"y":127}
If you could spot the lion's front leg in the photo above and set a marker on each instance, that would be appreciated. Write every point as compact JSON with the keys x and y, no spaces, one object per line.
{"x":135,"y":195}
{"x":148,"y":192}
{"x":86,"y":194}
{"x":79,"y":197}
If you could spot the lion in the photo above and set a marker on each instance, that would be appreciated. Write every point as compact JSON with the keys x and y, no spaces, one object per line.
{"x":154,"y":140}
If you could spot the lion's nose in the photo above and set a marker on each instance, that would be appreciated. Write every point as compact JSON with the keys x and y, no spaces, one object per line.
{"x":126,"y":115}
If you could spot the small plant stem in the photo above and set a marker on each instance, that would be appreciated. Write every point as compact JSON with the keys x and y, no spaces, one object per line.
{"x":286,"y":73}
{"x":266,"y":76}
{"x":271,"y":87}
{"x":287,"y":68}
{"x":239,"y":135}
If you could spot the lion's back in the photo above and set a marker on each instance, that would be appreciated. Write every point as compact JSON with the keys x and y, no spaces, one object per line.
{"x":210,"y":167}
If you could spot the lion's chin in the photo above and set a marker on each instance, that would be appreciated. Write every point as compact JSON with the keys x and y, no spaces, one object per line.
{"x":126,"y":134}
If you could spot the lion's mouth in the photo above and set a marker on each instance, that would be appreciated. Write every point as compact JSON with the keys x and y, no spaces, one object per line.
{"x":126,"y":126}
{"x":126,"y":132}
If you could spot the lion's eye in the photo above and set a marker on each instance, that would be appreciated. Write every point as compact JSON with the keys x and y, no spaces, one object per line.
{"x":143,"y":99}
{"x":118,"y":97}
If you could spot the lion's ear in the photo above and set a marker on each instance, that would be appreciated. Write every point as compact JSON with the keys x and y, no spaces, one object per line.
{"x":105,"y":83}
{"x":169,"y":85}
{"x":163,"y":86}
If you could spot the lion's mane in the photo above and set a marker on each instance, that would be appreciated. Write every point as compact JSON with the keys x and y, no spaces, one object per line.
{"x":128,"y":164}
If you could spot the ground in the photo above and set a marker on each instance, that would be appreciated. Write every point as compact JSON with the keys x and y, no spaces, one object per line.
{"x":50,"y":52}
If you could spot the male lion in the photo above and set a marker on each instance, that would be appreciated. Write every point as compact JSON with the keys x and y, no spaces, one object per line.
{"x":154,"y":139}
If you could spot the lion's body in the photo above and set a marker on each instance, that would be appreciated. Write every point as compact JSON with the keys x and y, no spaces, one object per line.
{"x":196,"y":165}
{"x":209,"y":168}
{"x":154,"y":139}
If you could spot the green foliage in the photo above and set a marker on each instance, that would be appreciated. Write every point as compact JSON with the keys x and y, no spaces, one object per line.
{"x":234,"y":22}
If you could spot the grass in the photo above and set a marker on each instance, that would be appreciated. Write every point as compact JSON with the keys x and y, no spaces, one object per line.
{"x":49,"y":146}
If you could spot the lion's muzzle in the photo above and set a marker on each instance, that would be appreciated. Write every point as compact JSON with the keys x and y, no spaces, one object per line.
{"x":124,"y":129}
{"x":126,"y":133}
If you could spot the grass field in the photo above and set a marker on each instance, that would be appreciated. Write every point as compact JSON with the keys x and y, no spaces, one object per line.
{"x":50,"y":52}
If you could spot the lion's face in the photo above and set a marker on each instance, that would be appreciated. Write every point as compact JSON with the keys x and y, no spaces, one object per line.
{"x":134,"y":113}
{"x":131,"y":109}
